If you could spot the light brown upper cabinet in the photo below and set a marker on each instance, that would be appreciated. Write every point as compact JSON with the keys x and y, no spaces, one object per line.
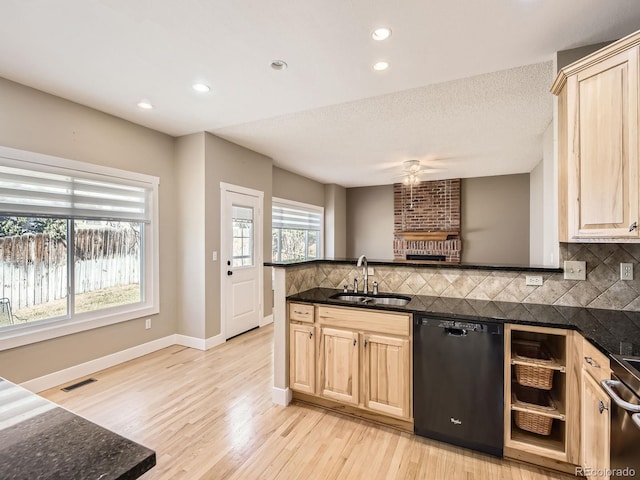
{"x":598,"y":145}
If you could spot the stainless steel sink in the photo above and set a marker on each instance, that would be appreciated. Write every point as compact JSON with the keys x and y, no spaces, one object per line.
{"x":383,"y":299}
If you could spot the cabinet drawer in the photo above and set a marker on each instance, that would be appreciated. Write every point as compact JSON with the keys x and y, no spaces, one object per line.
{"x":302,"y":312}
{"x":363,"y":319}
{"x":594,"y":362}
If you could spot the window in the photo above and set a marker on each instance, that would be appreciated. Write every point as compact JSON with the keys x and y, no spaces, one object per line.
{"x":242,"y":236}
{"x":297,"y":231}
{"x":78,"y":246}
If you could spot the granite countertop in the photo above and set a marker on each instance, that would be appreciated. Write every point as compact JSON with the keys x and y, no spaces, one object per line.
{"x":612,"y":331}
{"x":40,"y":440}
{"x":418,"y":263}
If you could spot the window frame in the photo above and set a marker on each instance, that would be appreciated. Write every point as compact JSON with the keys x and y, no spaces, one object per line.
{"x":276,"y":201}
{"x":46,"y":329}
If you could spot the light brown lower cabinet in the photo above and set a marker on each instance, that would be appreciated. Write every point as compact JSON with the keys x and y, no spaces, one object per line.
{"x":386,"y":374}
{"x":595,"y":412}
{"x":302,"y":355}
{"x":339,"y":365}
{"x":596,"y":425}
{"x":362,"y":361}
{"x":559,"y":447}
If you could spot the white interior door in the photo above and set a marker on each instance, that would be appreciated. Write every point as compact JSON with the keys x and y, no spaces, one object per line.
{"x":241,"y":242}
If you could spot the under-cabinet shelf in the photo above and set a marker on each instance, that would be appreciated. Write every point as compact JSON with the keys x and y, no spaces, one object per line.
{"x":558,"y":366}
{"x":555,"y":442}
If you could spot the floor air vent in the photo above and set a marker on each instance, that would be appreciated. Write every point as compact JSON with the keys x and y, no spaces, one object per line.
{"x":79,"y":384}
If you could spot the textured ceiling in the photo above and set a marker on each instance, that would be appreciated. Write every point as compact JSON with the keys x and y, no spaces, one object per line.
{"x":484,"y":125}
{"x":109,"y":54}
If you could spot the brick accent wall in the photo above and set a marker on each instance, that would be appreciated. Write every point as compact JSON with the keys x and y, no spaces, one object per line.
{"x":431,"y":207}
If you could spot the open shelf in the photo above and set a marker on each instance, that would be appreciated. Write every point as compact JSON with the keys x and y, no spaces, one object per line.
{"x":554,"y":442}
{"x":556,"y":413}
{"x":552,"y":369}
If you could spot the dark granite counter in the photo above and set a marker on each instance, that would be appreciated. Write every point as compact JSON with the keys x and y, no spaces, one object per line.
{"x":417,"y":263}
{"x":612,"y":331}
{"x":39,"y":440}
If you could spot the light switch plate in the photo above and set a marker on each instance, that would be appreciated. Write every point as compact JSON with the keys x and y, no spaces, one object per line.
{"x":575,"y":270}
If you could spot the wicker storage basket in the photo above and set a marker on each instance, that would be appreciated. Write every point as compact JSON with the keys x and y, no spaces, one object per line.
{"x":533,"y":398}
{"x":532,"y":422}
{"x":531,"y":375}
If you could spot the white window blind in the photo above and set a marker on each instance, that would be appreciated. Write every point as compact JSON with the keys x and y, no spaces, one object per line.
{"x":30,"y":189}
{"x":293,"y":218}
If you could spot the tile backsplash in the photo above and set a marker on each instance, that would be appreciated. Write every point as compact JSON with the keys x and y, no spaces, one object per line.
{"x":602,"y":289}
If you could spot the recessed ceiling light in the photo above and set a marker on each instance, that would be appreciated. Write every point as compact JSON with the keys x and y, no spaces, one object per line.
{"x":145,"y":104}
{"x":381,"y":66}
{"x":279,"y":65}
{"x":381,"y":33}
{"x":201,"y":87}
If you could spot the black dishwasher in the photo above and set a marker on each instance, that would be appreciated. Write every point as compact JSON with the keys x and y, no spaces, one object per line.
{"x":458,"y":378}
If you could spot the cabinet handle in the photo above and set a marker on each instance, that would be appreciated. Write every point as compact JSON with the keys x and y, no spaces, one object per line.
{"x":602,"y":407}
{"x":310,"y":334}
{"x":298,"y":312}
{"x":354,"y":342}
{"x":633,"y":226}
{"x":590,"y":361}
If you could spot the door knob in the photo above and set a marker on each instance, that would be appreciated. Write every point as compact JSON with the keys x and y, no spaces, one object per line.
{"x":229,"y":272}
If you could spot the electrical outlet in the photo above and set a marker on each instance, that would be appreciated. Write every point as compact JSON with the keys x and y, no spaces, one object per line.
{"x":147,"y":324}
{"x":575,"y":270}
{"x":626,"y":271}
{"x":534,"y":280}
{"x":370,"y":271}
{"x":214,"y":256}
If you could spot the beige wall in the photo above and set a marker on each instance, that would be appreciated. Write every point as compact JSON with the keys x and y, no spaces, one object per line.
{"x":190,"y":229}
{"x":291,"y":186}
{"x":495,"y":220}
{"x":536,"y":215}
{"x":35,"y":121}
{"x":370,"y":222}
{"x":230,"y":163}
{"x":335,"y":221}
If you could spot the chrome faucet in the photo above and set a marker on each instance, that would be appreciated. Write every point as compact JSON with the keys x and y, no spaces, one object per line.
{"x":362,"y":262}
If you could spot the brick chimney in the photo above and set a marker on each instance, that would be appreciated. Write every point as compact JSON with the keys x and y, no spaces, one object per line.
{"x":427,"y":221}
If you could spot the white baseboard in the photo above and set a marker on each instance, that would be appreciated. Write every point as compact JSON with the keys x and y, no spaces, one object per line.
{"x":62,"y":376}
{"x":214,"y":341}
{"x":281,"y":396}
{"x":200,"y":343}
{"x":266,"y":320}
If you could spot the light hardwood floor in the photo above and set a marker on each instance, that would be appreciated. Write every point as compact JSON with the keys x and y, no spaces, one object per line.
{"x":209,"y":415}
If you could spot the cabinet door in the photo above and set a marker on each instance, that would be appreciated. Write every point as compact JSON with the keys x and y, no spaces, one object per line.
{"x":302,"y":356}
{"x":595,"y":426}
{"x":338,"y":365}
{"x":386,"y":374}
{"x":602,"y":172}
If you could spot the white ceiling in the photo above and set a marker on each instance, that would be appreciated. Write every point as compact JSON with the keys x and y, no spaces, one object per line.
{"x":467,"y":90}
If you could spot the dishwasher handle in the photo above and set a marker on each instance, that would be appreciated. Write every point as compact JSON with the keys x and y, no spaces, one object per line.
{"x":608,"y":386}
{"x":456,"y":332}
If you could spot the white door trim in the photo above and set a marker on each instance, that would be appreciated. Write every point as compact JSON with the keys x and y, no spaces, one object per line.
{"x":224,"y":245}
